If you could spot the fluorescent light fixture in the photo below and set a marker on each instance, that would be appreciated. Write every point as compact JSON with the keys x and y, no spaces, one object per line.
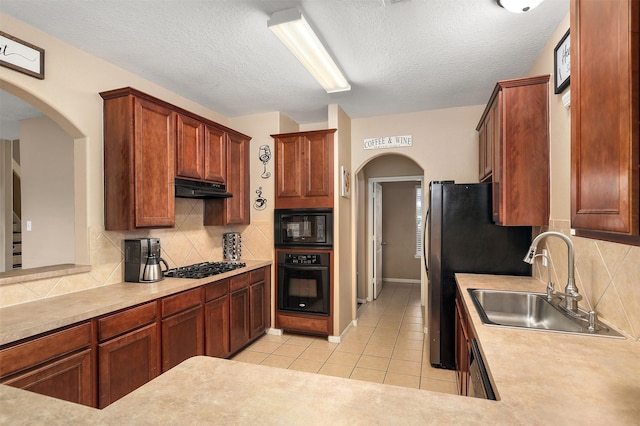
{"x":519,"y":6}
{"x":296,"y":33}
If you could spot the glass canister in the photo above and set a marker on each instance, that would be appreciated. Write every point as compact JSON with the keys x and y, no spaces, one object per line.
{"x":231,"y":246}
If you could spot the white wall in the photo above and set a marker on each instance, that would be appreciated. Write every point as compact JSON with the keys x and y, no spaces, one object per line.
{"x":47,"y":181}
{"x":444,"y":141}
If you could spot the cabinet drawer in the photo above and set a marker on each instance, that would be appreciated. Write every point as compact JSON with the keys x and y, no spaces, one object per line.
{"x":216,"y":289}
{"x":41,"y":349}
{"x":238,"y":282}
{"x":125,"y":321}
{"x":181,"y":301}
{"x":257,"y":275}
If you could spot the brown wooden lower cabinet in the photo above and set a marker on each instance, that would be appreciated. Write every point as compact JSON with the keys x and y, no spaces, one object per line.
{"x":216,"y":318}
{"x":127,"y":362}
{"x":57,"y":365}
{"x":182,"y":327}
{"x":259,"y":301}
{"x":182,"y":337}
{"x":98,"y":362}
{"x":238,"y":319}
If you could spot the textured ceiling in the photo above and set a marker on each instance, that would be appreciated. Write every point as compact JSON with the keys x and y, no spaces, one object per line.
{"x":399,"y":57}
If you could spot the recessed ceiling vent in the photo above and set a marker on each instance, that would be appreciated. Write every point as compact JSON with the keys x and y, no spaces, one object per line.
{"x":392,"y":2}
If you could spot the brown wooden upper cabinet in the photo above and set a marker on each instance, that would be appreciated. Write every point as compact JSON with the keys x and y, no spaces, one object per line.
{"x":304,"y":169}
{"x":234,"y":210}
{"x":200,"y":150}
{"x":148,"y":143}
{"x":139,"y":161}
{"x":514,"y":151}
{"x":605,"y":111}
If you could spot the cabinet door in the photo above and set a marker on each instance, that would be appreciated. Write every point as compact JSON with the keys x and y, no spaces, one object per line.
{"x":189,"y":147}
{"x":126,"y":363}
{"x":237,"y":211}
{"x":215,"y":154}
{"x":317,"y":154}
{"x":239,"y":319}
{"x":260,"y":301}
{"x":288,"y":168}
{"x":154,"y":128}
{"x":234,"y":210}
{"x":69,"y":378}
{"x":605,"y":106}
{"x":257,"y":313}
{"x":182,"y":337}
{"x":216,"y":314}
{"x":521,"y":152}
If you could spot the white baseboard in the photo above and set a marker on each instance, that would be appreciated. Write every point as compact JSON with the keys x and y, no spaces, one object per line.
{"x":274,"y":331}
{"x":401,"y":280}
{"x":362,"y":300}
{"x":338,"y":339}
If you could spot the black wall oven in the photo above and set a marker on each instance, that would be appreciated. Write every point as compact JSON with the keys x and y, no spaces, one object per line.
{"x":304,"y":282}
{"x":299,"y":228}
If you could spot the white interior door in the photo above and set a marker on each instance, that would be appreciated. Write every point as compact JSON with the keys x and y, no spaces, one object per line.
{"x":377,"y":239}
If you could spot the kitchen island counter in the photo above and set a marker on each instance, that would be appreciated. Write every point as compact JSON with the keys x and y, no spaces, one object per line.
{"x":541,"y":378}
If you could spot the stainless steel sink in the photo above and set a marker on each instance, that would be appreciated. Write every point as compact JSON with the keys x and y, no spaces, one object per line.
{"x":532,"y":311}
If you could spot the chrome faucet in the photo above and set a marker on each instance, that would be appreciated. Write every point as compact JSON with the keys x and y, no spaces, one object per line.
{"x":570,"y":294}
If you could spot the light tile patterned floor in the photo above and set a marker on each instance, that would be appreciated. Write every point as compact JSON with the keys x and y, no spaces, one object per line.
{"x":388,"y":346}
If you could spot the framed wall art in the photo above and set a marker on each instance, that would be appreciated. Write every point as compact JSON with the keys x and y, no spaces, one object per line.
{"x":345,"y":182}
{"x":21,"y":56}
{"x":562,"y":64}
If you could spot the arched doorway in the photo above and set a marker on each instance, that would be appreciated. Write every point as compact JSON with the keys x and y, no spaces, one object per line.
{"x":54,"y":211}
{"x":398,"y":177}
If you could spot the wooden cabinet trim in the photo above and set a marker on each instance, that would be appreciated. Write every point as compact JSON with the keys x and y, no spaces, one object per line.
{"x":124,"y":91}
{"x":181,"y":301}
{"x":126,"y":320}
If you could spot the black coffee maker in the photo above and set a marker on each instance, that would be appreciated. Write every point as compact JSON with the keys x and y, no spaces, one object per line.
{"x":142,"y":261}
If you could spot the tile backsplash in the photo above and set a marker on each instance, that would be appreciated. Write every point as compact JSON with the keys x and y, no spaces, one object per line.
{"x":187,"y":243}
{"x":607,"y":276}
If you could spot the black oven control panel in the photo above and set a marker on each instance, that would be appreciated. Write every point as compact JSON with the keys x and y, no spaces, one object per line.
{"x":305,"y":259}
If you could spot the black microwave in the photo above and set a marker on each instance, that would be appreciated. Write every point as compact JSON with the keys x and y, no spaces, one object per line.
{"x":296,"y":228}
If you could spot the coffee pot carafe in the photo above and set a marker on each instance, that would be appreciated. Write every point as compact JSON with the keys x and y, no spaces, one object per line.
{"x":142,"y":261}
{"x":152,"y":271}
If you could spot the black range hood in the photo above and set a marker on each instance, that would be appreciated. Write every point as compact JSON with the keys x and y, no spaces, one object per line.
{"x":186,"y":188}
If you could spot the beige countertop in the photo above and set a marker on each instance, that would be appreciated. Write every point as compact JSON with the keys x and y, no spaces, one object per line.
{"x":32,"y":318}
{"x":541,"y":378}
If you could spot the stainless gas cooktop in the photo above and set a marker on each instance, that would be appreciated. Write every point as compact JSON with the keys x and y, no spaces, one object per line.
{"x":203,"y":270}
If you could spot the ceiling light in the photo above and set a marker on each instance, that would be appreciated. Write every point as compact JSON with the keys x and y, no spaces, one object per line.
{"x":519,"y":6}
{"x":296,"y":33}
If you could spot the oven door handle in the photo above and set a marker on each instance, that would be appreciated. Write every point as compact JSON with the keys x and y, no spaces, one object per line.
{"x":306,"y":267}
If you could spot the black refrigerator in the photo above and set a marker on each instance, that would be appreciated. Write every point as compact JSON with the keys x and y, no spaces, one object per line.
{"x":463,"y":238}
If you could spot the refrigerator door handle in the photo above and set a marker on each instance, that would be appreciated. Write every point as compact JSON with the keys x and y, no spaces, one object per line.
{"x":424,"y":242}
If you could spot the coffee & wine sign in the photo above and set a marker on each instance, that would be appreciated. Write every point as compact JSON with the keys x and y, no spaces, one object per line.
{"x":389,"y":142}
